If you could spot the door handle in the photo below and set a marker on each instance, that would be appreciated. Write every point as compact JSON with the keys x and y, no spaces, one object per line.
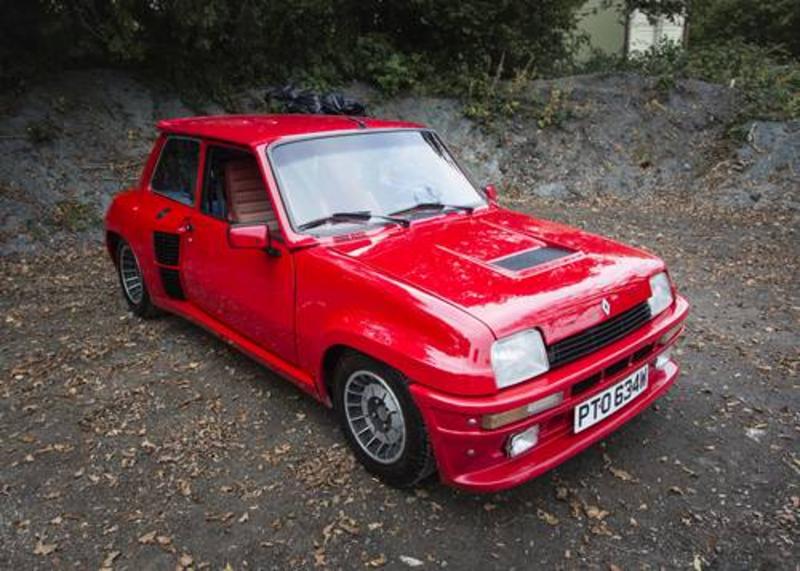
{"x":186,"y":227}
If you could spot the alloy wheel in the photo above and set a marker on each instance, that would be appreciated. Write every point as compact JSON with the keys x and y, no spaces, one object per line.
{"x":131,"y":275}
{"x":374,"y":416}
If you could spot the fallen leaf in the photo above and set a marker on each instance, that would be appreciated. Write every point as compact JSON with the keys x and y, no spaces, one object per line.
{"x":349,"y":526}
{"x":148,"y":538}
{"x":44,"y":548}
{"x":319,"y":557}
{"x":109,"y":560}
{"x":595,"y":512}
{"x":600,"y":528}
{"x":185,"y":488}
{"x":411,"y":561}
{"x":622,"y":474}
{"x":575,"y":507}
{"x":378,"y":561}
{"x":547,"y":517}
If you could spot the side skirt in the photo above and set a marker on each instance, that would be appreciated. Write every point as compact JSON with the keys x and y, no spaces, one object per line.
{"x":269,"y":360}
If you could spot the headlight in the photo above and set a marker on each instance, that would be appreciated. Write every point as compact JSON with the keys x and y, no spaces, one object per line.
{"x":660,"y":293}
{"x":518,"y":358}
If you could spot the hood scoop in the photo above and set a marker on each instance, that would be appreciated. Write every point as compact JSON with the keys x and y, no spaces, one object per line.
{"x":529,"y":259}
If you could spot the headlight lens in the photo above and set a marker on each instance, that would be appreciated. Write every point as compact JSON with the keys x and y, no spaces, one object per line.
{"x":518,"y":358}
{"x":660,"y":293}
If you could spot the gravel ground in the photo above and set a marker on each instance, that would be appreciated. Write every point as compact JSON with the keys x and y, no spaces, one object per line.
{"x":132,"y":444}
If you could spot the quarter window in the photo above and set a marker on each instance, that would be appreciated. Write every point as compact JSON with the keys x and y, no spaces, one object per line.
{"x":176,"y":173}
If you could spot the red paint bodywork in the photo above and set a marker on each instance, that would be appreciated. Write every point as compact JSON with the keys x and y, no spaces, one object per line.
{"x":422,"y":299}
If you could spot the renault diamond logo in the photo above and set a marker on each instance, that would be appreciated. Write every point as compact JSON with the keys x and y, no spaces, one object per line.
{"x":605,"y":306}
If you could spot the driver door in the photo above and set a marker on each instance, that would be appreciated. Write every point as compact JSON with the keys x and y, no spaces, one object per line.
{"x":250,"y":291}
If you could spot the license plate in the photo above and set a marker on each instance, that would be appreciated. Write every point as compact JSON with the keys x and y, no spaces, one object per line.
{"x":604,"y":404}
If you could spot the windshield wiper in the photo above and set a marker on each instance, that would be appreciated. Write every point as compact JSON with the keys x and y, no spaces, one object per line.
{"x":356,"y":215}
{"x":434,"y":206}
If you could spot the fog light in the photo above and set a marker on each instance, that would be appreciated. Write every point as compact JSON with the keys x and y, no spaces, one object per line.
{"x":522,"y":441}
{"x":492,"y":421}
{"x":664,"y":359}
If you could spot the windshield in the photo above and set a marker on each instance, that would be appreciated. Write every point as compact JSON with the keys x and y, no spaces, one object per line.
{"x":380,"y":173}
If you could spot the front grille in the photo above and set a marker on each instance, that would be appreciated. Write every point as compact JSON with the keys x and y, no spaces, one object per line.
{"x":167,"y":248}
{"x":598,"y":336}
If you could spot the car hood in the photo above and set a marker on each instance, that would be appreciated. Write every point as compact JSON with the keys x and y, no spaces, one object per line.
{"x":512,"y":271}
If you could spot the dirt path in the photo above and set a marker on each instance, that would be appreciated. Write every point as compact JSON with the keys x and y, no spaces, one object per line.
{"x":139,"y":445}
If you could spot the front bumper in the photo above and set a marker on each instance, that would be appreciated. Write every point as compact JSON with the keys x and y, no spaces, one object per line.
{"x":474,"y":458}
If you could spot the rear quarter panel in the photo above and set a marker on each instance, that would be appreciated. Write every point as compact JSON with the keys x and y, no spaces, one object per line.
{"x":122,"y":217}
{"x":124,"y":214}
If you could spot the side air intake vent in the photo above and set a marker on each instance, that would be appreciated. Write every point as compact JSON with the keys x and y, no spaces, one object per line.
{"x":171,"y":280}
{"x":531,"y":258}
{"x":167,"y":248}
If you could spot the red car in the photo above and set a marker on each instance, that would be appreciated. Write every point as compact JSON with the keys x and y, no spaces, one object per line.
{"x":356,"y":258}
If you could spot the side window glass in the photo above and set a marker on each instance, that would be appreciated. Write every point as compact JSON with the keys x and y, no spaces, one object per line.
{"x":176,"y":173}
{"x":215,"y":201}
{"x":233,"y":189}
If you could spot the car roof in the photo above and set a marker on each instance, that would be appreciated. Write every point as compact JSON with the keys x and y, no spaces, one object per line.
{"x":253,"y":130}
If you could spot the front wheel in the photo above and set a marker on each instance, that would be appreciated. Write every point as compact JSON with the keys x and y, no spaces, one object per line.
{"x":380,"y":421}
{"x":134,"y":290}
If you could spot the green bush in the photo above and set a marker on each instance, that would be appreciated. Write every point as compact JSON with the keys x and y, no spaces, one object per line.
{"x":768,"y":78}
{"x":485,"y":51}
{"x":766,"y":23}
{"x":389,"y":69}
{"x":228,"y":42}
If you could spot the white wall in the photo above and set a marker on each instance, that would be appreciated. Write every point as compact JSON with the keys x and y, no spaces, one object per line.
{"x":642,"y":35}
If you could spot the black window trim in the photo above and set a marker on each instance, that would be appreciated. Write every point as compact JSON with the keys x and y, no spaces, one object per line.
{"x":167,"y":138}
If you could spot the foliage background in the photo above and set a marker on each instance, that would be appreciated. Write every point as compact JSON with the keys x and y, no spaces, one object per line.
{"x":274,"y":39}
{"x":483,"y":51}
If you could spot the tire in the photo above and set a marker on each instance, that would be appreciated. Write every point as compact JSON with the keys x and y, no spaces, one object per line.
{"x":399,"y":461}
{"x":131,"y":281}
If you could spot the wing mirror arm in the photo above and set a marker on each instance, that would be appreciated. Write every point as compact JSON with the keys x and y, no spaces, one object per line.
{"x":271,"y":250}
{"x":491,"y":193}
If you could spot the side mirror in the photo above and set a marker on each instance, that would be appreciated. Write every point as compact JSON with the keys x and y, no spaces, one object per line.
{"x":249,"y":237}
{"x":491,"y":193}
